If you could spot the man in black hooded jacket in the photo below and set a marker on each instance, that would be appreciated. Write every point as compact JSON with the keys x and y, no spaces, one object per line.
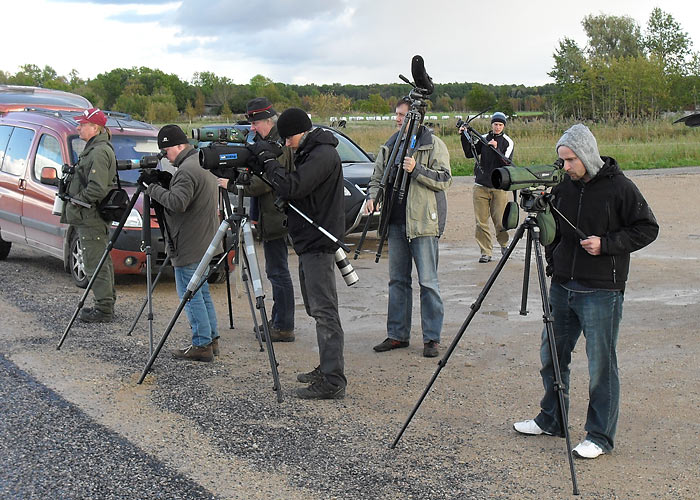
{"x":588,"y":283}
{"x":316,"y":189}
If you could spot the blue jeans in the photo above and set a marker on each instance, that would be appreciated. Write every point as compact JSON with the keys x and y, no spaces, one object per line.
{"x":598,"y":314}
{"x":200,"y":308}
{"x":402,"y":253}
{"x":277,"y":271}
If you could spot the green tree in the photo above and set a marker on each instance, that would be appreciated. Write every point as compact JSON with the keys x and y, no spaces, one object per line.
{"x":612,"y":36}
{"x":479,"y":98}
{"x":667,"y":41}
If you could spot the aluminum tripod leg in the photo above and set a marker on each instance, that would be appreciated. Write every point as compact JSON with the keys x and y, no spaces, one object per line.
{"x":145,"y":302}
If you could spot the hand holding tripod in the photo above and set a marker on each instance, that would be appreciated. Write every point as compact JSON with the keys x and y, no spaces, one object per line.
{"x":392,"y":187}
{"x":530,"y":227}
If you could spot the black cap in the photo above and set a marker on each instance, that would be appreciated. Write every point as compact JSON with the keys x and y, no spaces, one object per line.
{"x":171,"y":135}
{"x":259,"y":109}
{"x":293,"y":121}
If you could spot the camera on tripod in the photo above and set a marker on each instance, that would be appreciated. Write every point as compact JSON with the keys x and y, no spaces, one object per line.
{"x":147,"y":161}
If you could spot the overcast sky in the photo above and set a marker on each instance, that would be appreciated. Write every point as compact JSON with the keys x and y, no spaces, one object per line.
{"x":311,"y":41}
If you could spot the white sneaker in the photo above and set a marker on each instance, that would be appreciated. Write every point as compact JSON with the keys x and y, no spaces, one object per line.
{"x":530,"y":428}
{"x":588,"y":449}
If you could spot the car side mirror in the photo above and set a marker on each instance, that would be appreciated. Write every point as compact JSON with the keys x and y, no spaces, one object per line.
{"x":49,"y":176}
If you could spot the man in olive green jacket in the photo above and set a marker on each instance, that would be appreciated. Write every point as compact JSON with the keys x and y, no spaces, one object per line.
{"x":414,"y":227}
{"x":93,"y":178}
{"x":273,"y":224}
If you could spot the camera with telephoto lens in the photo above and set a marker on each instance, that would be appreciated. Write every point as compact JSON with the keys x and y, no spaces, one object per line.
{"x":514,"y":178}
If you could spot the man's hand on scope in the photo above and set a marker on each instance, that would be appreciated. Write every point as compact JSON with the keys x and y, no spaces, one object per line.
{"x":148,"y":176}
{"x":265,"y":151}
{"x":592,"y":245}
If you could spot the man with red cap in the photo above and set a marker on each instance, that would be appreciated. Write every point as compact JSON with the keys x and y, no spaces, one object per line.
{"x":93,"y":178}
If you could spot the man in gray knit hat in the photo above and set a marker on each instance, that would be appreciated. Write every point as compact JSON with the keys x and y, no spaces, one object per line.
{"x":588,"y":284}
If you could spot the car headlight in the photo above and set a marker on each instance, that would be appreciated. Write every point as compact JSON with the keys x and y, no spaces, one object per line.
{"x":134,"y":219}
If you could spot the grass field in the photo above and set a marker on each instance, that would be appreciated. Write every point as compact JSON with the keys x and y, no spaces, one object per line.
{"x":640,"y":145}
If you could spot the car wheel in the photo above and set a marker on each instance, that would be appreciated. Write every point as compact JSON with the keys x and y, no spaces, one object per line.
{"x":77,"y":265}
{"x":4,"y":248}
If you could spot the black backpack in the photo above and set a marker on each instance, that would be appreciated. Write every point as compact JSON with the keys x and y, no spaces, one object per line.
{"x":113,"y":206}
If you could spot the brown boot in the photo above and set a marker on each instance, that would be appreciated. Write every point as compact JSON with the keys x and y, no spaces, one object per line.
{"x":195,"y":353}
{"x":215,"y":346}
{"x":277,"y":335}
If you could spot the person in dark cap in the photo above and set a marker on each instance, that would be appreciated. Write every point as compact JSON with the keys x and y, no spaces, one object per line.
{"x":316,"y":188}
{"x":272,"y":222}
{"x":588,"y":284}
{"x":489,"y":202}
{"x":94,"y":176}
{"x":191,"y":219}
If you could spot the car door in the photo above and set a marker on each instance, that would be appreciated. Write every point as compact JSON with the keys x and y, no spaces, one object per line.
{"x":43,"y":229}
{"x":12,"y":180}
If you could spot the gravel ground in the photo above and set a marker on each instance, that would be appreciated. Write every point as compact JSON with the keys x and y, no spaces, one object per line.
{"x":219,"y":425}
{"x":60,"y":452}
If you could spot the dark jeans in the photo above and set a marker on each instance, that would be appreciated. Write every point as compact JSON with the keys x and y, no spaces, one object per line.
{"x":277,"y":271}
{"x":317,"y":279}
{"x":598,"y":314}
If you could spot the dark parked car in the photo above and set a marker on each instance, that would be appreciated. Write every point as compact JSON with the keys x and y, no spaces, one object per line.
{"x":357,"y":170}
{"x":34,"y":139}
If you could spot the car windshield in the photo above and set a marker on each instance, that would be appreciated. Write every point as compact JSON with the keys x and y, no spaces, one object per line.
{"x":126,"y":147}
{"x":348,"y":151}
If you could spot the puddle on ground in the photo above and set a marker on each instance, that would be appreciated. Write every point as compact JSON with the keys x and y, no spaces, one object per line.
{"x":668,"y":297}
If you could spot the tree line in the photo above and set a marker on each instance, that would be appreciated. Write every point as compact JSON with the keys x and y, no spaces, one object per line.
{"x":622,"y":73}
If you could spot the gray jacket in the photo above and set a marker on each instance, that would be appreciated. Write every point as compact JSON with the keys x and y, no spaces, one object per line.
{"x":191,"y":211}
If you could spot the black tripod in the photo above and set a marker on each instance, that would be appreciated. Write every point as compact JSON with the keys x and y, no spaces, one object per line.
{"x":533,"y":232}
{"x":394,"y":180}
{"x":110,"y":244}
{"x":240,"y":223}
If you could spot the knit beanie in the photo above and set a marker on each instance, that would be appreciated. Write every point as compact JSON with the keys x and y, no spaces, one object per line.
{"x":293,"y":121}
{"x":582,"y":142}
{"x":498,"y":117}
{"x":171,"y":135}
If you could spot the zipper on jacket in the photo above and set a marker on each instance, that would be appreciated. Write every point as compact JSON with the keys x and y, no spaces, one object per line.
{"x":578,"y":216}
{"x":614,"y":270}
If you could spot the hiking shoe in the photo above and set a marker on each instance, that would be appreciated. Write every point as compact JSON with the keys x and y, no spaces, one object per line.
{"x":321,"y":389}
{"x":484,"y":258}
{"x":194,"y":353}
{"x":588,"y":449}
{"x":430,"y":349}
{"x":389,"y":344}
{"x":215,"y":346}
{"x":310,"y":377}
{"x":276,"y":335}
{"x":90,"y":315}
{"x":530,"y":428}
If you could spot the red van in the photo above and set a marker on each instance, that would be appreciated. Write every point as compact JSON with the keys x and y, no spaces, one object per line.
{"x":36,"y":138}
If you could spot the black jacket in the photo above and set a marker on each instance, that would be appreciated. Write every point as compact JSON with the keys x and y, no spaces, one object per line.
{"x":489,"y":159}
{"x":315,"y":188}
{"x":609,"y":206}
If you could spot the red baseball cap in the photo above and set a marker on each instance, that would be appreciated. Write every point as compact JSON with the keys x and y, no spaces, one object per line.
{"x":92,"y":115}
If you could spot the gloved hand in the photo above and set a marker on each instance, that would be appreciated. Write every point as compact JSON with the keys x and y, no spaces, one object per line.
{"x":164,"y":178}
{"x":148,"y":176}
{"x":265,"y":150}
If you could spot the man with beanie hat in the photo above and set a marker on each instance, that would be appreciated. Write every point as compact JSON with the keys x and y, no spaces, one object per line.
{"x":191,"y":218}
{"x":272,"y":223}
{"x":316,"y":188}
{"x":588,"y":284}
{"x":489,"y":201}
